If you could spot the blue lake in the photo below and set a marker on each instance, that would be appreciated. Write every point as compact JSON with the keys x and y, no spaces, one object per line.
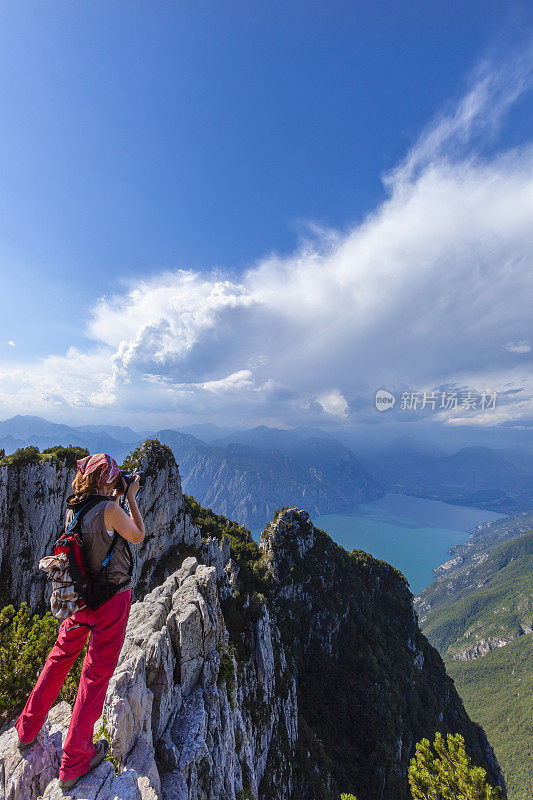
{"x":411,"y":533}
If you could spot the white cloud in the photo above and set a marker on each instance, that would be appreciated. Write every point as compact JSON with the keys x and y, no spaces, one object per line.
{"x":333,"y":403}
{"x":493,"y":88}
{"x":235,"y":382}
{"x":422,"y":293}
{"x":518,"y":347}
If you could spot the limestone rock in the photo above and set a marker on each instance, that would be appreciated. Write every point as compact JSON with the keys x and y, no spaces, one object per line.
{"x":177,"y":728}
{"x":32,"y":508}
{"x":190,"y":716}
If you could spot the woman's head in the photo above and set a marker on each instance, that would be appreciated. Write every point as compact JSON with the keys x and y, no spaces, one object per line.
{"x":95,"y":474}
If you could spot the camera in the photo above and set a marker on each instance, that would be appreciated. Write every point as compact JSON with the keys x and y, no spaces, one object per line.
{"x":128,"y":478}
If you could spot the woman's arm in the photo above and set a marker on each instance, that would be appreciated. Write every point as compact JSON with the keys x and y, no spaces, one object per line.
{"x":115,"y":518}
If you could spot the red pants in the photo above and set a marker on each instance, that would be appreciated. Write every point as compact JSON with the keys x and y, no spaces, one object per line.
{"x":107,"y":626}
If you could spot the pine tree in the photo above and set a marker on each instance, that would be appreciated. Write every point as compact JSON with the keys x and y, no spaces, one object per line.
{"x":448,"y":775}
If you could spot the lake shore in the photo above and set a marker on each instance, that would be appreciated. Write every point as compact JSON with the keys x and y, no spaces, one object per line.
{"x":413,"y":534}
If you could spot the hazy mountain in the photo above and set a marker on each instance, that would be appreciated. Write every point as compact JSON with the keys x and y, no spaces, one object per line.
{"x":24,"y":431}
{"x":284,"y":439}
{"x":405,"y":445}
{"x":477,"y":476}
{"x":249,"y":483}
{"x":261,"y":436}
{"x":118,"y":432}
{"x":10,"y":444}
{"x":208,"y":431}
{"x":24,"y":426}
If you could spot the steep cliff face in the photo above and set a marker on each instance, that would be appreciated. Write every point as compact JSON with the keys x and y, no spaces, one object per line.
{"x":32,"y":508}
{"x":292,"y":671}
{"x":185,"y":723}
{"x":369,"y":683}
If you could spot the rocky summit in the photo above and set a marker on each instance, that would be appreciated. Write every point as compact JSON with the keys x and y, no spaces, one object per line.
{"x":292,"y":670}
{"x":178,"y":715}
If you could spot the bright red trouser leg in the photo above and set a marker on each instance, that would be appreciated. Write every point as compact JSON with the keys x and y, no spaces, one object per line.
{"x":108,"y":629}
{"x":105,"y":644}
{"x":70,"y":640}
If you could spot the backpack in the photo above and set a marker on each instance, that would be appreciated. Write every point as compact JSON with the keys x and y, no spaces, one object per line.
{"x":74,"y":584}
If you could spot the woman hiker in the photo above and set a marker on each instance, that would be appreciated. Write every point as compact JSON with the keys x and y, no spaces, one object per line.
{"x":97,"y":475}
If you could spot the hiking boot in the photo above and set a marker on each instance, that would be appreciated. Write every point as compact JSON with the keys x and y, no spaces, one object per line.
{"x":101,"y":751}
{"x":24,"y":745}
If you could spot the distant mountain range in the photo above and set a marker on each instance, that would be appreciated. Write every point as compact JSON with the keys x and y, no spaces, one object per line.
{"x":245,"y":481}
{"x":24,"y":431}
{"x":248,"y":483}
{"x":479,"y":615}
{"x":482,"y":477}
{"x":248,"y":473}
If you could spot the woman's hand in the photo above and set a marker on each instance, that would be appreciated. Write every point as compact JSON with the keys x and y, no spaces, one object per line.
{"x":131,"y":528}
{"x":133,"y":488}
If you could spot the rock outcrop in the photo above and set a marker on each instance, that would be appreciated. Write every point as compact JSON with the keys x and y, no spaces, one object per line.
{"x":32,"y":509}
{"x":369,"y":683}
{"x":290,"y":671}
{"x":183,"y":721}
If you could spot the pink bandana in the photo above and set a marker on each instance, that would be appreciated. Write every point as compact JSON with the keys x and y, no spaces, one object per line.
{"x":90,"y":463}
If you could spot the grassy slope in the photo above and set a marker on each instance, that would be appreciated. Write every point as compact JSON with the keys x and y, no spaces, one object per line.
{"x":497,"y":688}
{"x":497,"y":691}
{"x":502,"y":606}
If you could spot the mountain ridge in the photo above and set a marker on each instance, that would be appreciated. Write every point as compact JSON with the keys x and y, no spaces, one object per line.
{"x":479,"y":615}
{"x":236,"y":649}
{"x":248,"y":483}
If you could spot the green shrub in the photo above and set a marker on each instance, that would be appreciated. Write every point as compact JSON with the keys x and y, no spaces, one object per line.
{"x":21,"y":457}
{"x":69,"y":455}
{"x":254,"y":574}
{"x":158,"y":456}
{"x":24,"y":645}
{"x":448,"y":775}
{"x":32,"y":455}
{"x":226,"y":674}
{"x":103,"y":732}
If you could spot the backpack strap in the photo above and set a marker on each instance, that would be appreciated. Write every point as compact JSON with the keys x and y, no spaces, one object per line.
{"x":130,"y":558}
{"x":107,"y":559}
{"x":91,"y":502}
{"x":111,"y":550}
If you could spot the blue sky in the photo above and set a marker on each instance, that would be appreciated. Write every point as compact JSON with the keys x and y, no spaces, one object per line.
{"x":246,"y":144}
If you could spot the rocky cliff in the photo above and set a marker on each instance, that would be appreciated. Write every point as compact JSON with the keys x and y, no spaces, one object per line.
{"x":33,"y":495}
{"x":182,"y":719}
{"x":369,"y":683}
{"x":249,"y":483}
{"x":289,"y":671}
